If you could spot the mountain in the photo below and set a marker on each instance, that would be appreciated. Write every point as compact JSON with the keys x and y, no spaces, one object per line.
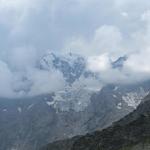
{"x":30,"y":123}
{"x":72,"y":66}
{"x":77,"y":94}
{"x":27,"y":123}
{"x":130,"y":133}
{"x":119,"y":63}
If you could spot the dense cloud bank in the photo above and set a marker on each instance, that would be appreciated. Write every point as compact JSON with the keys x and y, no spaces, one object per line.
{"x":99,"y":30}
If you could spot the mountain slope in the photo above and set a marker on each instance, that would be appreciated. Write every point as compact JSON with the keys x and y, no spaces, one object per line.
{"x":130,"y":133}
{"x":79,"y":108}
{"x":29,"y":123}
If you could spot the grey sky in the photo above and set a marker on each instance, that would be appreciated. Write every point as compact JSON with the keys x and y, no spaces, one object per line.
{"x":99,"y":29}
{"x":44,"y":24}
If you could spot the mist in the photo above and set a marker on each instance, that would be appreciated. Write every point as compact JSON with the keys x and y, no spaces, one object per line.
{"x":100,"y":31}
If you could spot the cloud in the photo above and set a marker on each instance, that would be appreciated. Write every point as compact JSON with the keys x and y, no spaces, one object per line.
{"x":137,"y":64}
{"x":46,"y":81}
{"x":105,"y":39}
{"x":124,"y":14}
{"x":21,"y":76}
{"x":89,"y":83}
{"x":30,"y":82}
{"x":22,"y":57}
{"x":98,"y":63}
{"x":100,"y":30}
{"x":44,"y":24}
{"x":109,"y":42}
{"x":5,"y":80}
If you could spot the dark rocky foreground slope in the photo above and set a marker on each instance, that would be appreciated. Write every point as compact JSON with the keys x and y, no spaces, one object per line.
{"x":130,"y":133}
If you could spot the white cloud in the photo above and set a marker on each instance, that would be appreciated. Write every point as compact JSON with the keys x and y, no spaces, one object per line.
{"x":46,"y":81}
{"x":29,"y":83}
{"x":139,"y":62}
{"x":105,"y":39}
{"x":124,"y":14}
{"x":99,"y":63}
{"x":101,"y":30}
{"x":91,"y":84}
{"x":22,"y":57}
{"x":5,"y":80}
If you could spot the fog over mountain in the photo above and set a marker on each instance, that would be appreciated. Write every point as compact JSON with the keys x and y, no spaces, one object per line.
{"x":99,"y":31}
{"x":70,"y":68}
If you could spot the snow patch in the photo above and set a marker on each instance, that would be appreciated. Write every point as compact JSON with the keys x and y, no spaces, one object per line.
{"x":19,"y":109}
{"x":114,"y":96}
{"x":133,"y":99}
{"x":116,"y":88}
{"x":72,"y":98}
{"x":50,"y":103}
{"x":30,"y":106}
{"x":119,"y":106}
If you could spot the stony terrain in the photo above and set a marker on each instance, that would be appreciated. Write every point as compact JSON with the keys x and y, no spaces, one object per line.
{"x":130,"y":133}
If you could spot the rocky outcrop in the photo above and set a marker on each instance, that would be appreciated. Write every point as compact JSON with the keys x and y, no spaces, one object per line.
{"x":130,"y":133}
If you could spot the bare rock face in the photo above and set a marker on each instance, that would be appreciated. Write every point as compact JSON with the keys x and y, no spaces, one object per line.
{"x":30,"y":123}
{"x":130,"y":133}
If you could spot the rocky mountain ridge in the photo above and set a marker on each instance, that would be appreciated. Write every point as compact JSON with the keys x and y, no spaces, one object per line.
{"x":130,"y":133}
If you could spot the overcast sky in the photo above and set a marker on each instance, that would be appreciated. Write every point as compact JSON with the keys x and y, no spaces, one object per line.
{"x":49,"y":24}
{"x":101,"y":30}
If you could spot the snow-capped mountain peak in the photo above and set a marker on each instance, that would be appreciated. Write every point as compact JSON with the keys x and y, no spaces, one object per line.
{"x":71,"y":65}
